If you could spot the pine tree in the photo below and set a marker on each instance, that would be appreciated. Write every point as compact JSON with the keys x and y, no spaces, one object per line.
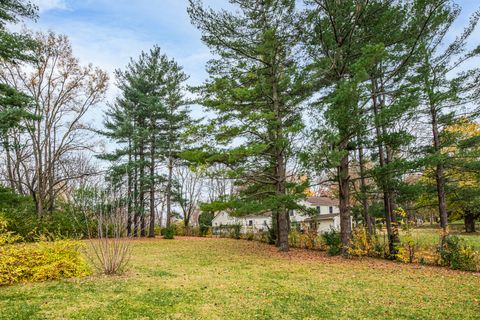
{"x":147,"y":121}
{"x":443,"y":94}
{"x":255,"y":90}
{"x":363,"y":52}
{"x":14,"y":48}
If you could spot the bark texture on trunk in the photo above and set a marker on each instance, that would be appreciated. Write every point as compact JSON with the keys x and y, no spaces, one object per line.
{"x":387,"y":202}
{"x":151,"y":229}
{"x":469,"y":219}
{"x":169,"y":192}
{"x":439,"y":174}
{"x":280,"y":166}
{"x":344,"y":197}
{"x":363,"y":186}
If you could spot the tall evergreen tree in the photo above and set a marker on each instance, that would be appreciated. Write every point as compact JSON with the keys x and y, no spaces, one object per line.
{"x":147,"y":121}
{"x":446,"y":87}
{"x":255,"y":90}
{"x":14,"y":48}
{"x":363,"y":52}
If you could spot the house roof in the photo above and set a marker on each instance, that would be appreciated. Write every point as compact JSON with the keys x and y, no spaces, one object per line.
{"x":322,"y":201}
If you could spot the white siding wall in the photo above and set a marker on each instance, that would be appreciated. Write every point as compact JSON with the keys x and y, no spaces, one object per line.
{"x":258,"y":222}
{"x":249,"y":223}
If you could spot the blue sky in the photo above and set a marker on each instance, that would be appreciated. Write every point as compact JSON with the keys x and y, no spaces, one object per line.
{"x":107,"y":33}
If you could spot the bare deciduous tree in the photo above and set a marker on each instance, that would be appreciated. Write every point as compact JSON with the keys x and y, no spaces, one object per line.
{"x":42,"y":159}
{"x":188,"y":189}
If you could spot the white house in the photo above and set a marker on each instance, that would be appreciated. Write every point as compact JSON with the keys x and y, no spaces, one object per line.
{"x":327,"y":217}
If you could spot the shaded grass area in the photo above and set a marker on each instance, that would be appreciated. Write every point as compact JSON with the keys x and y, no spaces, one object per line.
{"x":231,"y":279}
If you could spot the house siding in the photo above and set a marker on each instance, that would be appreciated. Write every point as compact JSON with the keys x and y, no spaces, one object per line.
{"x":256,"y":223}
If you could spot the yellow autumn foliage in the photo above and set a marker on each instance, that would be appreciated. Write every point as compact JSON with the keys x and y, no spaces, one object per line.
{"x":39,"y":261}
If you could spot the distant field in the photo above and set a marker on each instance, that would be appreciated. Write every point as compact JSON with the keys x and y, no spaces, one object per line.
{"x":237,"y":279}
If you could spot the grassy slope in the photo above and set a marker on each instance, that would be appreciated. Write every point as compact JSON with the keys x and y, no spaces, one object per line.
{"x":230,"y":279}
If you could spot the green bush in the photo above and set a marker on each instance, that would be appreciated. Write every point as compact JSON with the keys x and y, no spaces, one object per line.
{"x":180,"y":229}
{"x":333,"y":241}
{"x":22,"y":218}
{"x":205,"y":223}
{"x":235,"y":231}
{"x":157,"y":230}
{"x":455,"y":254}
{"x":169,"y":232}
{"x":294,"y":238}
{"x":271,"y":235}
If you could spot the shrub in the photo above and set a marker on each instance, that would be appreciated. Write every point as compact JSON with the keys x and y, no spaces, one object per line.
{"x":205,"y":223}
{"x":235,"y":231}
{"x":249,"y":235}
{"x":209,"y":232}
{"x":41,"y":261}
{"x":110,"y":250}
{"x":407,"y":249}
{"x":7,"y":237}
{"x":169,"y":232}
{"x":157,"y":230}
{"x":294,"y":238}
{"x":360,"y":244}
{"x":180,"y":229}
{"x":333,"y":241}
{"x":271,"y":236}
{"x":309,"y":239}
{"x":22,"y":218}
{"x":454,"y":253}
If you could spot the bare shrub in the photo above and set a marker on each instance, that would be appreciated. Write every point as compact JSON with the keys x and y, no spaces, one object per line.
{"x":110,"y":246}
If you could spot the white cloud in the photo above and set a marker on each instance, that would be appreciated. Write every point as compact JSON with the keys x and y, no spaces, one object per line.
{"x":49,"y":5}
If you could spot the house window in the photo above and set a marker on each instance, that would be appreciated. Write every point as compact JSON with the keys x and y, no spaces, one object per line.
{"x":291,"y":212}
{"x":330,"y":209}
{"x":318,"y":209}
{"x":250,"y":223}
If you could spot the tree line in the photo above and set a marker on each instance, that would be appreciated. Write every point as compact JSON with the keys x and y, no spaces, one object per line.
{"x":369,"y":97}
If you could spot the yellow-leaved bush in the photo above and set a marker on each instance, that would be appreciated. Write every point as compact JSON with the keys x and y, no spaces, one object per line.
{"x":24,"y":262}
{"x":360,"y":244}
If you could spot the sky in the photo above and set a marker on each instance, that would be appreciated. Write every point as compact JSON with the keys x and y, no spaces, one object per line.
{"x":107,"y":33}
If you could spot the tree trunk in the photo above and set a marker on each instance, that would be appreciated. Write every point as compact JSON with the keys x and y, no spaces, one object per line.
{"x":280,"y":167}
{"x":439,"y":174}
{"x":363,"y":187}
{"x":169,"y":191}
{"x":274,"y":231}
{"x":469,"y":219}
{"x":344,"y":197}
{"x":392,"y":236}
{"x":135,"y":197}
{"x":6,"y":147}
{"x":151,"y":229}
{"x":129,"y":191}
{"x":142,"y":190}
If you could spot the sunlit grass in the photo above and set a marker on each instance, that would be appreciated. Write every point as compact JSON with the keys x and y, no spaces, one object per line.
{"x":232,"y":279}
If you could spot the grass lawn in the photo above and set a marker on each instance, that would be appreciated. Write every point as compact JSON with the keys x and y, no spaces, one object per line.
{"x":431,"y":237}
{"x":232,"y":279}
